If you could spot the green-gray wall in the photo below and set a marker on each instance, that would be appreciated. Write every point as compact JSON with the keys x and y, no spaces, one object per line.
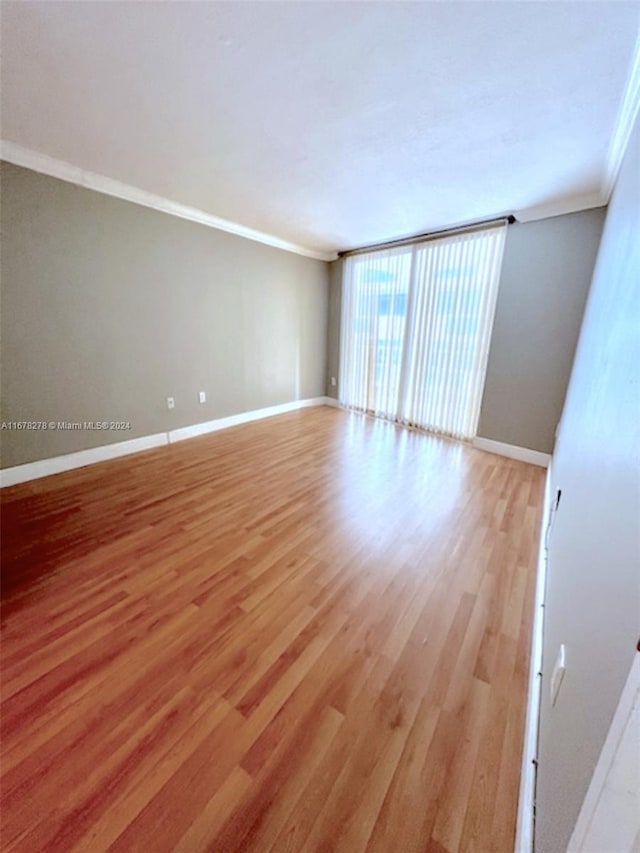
{"x":333,"y":327}
{"x":544,"y":284}
{"x":108,"y":308}
{"x":545,"y":278}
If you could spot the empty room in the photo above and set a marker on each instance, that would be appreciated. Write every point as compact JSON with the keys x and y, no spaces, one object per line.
{"x":320,"y":426}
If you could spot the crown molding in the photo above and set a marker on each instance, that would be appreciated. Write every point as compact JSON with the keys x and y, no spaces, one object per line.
{"x":37,"y":162}
{"x":627,"y":115}
{"x":561,"y":206}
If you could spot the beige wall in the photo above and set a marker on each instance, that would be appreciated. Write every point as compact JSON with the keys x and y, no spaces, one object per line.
{"x":108,"y":308}
{"x":593,"y":582}
{"x":544,"y":283}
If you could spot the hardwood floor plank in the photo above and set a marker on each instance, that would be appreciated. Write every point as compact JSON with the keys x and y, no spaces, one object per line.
{"x":398,"y":823}
{"x":305,"y":633}
{"x":203,"y":831}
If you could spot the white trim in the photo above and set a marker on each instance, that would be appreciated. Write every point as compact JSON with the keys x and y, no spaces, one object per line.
{"x":612,"y":744}
{"x":331,"y":401}
{"x":526,"y":800}
{"x":627,"y":113}
{"x":242,"y":418}
{"x":523,"y":454}
{"x":625,"y":119}
{"x":20,"y":156}
{"x":562,"y":206}
{"x":57,"y":464}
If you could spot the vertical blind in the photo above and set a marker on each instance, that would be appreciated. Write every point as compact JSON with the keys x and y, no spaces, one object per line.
{"x":416,"y":326}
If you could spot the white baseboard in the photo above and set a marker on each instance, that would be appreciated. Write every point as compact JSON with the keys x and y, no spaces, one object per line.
{"x":58,"y":464}
{"x":523,"y":454}
{"x":526,"y":801}
{"x":331,"y":401}
{"x":243,"y":418}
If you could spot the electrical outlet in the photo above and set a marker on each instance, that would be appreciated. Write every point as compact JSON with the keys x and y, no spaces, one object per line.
{"x":557,"y":675}
{"x":333,"y":381}
{"x":171,"y":403}
{"x":202,"y":397}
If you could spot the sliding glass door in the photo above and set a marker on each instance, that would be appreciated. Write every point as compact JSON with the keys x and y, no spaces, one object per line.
{"x":416,"y":326}
{"x":375,"y":297}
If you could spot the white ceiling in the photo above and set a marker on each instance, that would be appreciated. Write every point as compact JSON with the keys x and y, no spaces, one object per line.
{"x":329,"y":125}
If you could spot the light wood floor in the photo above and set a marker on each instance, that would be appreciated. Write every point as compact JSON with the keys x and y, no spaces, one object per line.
{"x":306,"y":633}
